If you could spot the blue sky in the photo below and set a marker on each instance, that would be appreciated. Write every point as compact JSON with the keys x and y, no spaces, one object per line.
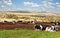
{"x":31,"y":5}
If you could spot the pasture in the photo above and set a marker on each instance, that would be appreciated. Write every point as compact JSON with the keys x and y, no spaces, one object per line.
{"x":24,"y":33}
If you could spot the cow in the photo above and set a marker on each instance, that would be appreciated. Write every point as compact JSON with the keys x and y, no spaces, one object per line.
{"x":50,"y":28}
{"x":57,"y":25}
{"x":40,"y":27}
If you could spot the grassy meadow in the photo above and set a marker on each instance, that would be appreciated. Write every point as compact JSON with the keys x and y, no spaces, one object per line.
{"x":24,"y":33}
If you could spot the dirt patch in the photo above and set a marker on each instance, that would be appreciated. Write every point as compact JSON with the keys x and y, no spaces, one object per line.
{"x":16,"y":25}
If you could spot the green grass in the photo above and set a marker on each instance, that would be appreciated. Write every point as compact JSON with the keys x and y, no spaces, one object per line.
{"x":23,"y":33}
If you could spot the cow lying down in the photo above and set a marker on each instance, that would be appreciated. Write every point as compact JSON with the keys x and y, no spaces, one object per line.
{"x":50,"y":29}
{"x":46,"y":28}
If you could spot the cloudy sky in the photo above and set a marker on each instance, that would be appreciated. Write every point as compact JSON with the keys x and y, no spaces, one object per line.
{"x":32,"y":5}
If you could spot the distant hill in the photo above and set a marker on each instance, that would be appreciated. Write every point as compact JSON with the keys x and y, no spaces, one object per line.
{"x":17,"y":11}
{"x":42,"y":13}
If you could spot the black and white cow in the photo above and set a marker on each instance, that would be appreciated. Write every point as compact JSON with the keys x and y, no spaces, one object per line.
{"x":40,"y":27}
{"x":50,"y":28}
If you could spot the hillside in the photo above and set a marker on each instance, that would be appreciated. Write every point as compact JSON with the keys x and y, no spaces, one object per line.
{"x":37,"y":16}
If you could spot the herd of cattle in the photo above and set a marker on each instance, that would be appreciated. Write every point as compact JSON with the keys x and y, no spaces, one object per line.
{"x":46,"y":26}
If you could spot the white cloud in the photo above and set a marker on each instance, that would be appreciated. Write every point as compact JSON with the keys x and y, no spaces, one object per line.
{"x":57,"y":3}
{"x":31,"y":4}
{"x":45,"y":5}
{"x":5,"y":4}
{"x":2,"y":6}
{"x":8,"y":2}
{"x":48,"y":4}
